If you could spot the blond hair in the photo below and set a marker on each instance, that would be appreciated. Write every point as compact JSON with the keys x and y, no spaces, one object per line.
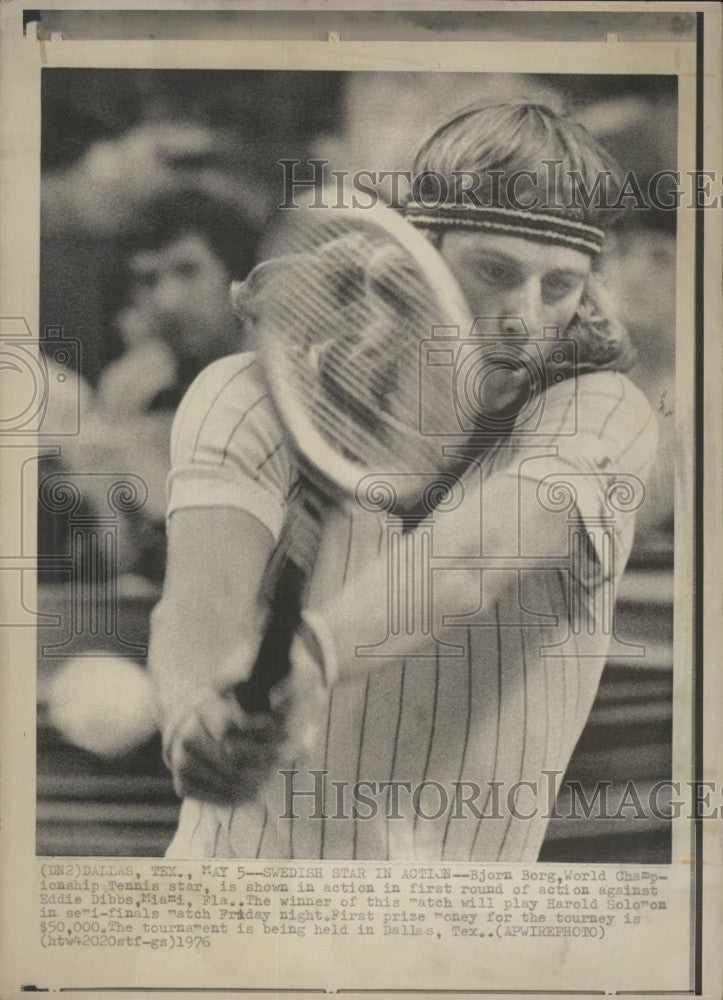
{"x":496,"y":141}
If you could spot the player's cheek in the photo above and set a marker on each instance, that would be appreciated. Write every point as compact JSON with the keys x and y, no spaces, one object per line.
{"x":561,"y":313}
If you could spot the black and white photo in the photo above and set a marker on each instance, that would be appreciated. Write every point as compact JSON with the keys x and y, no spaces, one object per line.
{"x":358,"y":542}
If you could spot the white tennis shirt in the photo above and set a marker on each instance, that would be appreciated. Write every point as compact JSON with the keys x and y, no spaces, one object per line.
{"x":443,"y":745}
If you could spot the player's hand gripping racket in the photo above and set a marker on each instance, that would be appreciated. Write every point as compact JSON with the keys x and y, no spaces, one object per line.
{"x":338,"y":318}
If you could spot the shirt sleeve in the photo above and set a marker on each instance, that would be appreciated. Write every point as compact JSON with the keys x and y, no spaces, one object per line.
{"x":591,"y":446}
{"x":227,"y":446}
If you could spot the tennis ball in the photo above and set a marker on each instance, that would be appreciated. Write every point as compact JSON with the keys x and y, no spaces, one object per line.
{"x":103,"y":704}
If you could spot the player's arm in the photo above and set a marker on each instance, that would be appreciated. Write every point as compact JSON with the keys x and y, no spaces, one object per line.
{"x":204,"y":635}
{"x":226,"y":496}
{"x":357,"y":614}
{"x":610,"y":431}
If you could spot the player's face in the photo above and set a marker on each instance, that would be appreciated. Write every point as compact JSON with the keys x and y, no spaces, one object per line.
{"x":507,"y":278}
{"x":180,"y":292}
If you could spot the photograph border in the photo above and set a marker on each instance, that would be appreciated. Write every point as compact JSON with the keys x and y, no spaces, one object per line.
{"x":703,"y":469}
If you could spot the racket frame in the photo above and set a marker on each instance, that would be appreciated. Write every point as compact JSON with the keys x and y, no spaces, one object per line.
{"x":335,"y":475}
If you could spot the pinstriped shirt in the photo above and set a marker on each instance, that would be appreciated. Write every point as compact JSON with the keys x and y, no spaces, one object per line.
{"x":417,"y":758}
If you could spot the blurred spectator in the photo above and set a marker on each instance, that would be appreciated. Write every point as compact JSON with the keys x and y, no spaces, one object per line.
{"x":173,"y":317}
{"x":103,"y":192}
{"x":111,"y":193}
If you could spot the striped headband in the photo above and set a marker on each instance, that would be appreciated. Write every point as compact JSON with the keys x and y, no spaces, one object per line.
{"x":559,"y":229}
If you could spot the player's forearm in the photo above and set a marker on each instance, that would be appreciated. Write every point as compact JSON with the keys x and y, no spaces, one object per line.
{"x":387,"y":607}
{"x":361,"y":618}
{"x":394,"y":604}
{"x":181,"y":660}
{"x":205,"y":631}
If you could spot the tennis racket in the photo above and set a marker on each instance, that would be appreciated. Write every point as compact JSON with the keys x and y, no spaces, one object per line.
{"x":338,"y":319}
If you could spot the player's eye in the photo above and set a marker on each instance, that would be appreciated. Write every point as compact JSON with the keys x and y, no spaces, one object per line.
{"x":498,"y":272}
{"x":557,"y":286}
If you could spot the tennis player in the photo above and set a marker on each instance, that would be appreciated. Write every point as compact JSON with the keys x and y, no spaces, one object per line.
{"x":447,"y":745}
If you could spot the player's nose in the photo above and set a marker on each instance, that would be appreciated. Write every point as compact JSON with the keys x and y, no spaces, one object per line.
{"x":521,"y":312}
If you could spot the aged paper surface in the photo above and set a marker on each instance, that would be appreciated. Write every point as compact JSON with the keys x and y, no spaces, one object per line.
{"x":101,"y":110}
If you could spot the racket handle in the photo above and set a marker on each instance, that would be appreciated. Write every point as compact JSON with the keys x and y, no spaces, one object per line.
{"x":272,"y":663}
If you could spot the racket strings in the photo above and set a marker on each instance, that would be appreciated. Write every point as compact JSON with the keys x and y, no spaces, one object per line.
{"x":369,"y":367}
{"x":352,"y":305}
